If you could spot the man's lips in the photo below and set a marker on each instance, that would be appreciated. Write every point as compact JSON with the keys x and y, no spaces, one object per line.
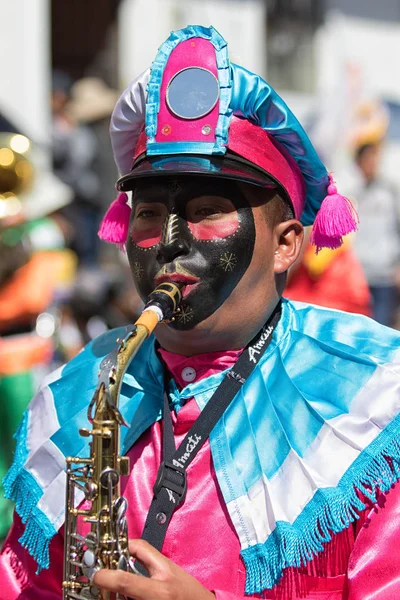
{"x":189,"y":282}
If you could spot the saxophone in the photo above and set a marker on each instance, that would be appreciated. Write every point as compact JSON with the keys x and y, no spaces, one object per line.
{"x":97,"y":477}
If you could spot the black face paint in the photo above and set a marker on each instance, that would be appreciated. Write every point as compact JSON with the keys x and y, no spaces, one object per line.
{"x":197,"y":231}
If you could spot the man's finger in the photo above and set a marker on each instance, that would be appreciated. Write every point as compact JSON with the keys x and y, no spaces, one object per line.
{"x":151,"y":558}
{"x":127,"y":584}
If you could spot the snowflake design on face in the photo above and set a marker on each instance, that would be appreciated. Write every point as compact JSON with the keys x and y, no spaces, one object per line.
{"x":185,"y":315}
{"x":138,"y":271}
{"x":228,"y":261}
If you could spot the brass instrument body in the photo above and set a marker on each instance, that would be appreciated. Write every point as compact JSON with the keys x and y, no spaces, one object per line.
{"x":98,"y":476}
{"x":16,"y":174}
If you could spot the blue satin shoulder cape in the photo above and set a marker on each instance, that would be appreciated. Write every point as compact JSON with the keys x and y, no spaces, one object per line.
{"x":315,"y":428}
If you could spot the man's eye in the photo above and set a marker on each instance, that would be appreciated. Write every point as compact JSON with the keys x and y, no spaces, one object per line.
{"x":208,"y":211}
{"x":145,"y":214}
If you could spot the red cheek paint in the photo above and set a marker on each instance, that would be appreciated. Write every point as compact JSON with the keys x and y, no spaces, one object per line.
{"x":214,"y":230}
{"x":145,"y":238}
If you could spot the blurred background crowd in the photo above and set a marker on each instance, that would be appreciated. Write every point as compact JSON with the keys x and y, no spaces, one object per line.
{"x":63,"y":66}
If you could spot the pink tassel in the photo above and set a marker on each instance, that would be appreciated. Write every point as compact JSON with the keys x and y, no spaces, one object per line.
{"x":336,"y":217}
{"x":115,"y":224}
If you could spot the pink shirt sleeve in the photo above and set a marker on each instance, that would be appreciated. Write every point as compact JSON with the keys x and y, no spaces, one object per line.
{"x":18,"y":579}
{"x":374,"y":565}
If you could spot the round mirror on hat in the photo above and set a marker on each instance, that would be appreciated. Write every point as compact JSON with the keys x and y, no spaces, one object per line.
{"x":192,"y":93}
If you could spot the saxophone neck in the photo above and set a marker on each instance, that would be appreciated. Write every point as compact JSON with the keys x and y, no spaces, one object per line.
{"x":162,"y":304}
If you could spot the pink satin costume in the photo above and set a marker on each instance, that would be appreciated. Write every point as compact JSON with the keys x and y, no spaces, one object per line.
{"x":361,"y":563}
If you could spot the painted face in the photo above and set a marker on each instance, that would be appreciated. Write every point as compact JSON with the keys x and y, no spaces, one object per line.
{"x":192,"y":230}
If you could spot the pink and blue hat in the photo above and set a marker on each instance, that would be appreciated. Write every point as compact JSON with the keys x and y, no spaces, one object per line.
{"x":196,"y":113}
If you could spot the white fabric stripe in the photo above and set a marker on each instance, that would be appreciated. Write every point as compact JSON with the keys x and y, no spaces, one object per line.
{"x":127,"y":121}
{"x":52,"y":503}
{"x":337,"y":445}
{"x":53,"y":376}
{"x":49,"y":455}
{"x":46,"y":420}
{"x":53,"y":500}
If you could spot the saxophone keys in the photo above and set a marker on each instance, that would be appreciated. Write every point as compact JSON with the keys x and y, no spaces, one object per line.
{"x":74,"y":460}
{"x":84,"y":432}
{"x":123,"y":464}
{"x":91,"y":490}
{"x":104,"y":433}
{"x":79,"y":537}
{"x":109,"y":478}
{"x":123,"y":563}
{"x":71,"y":585}
{"x":75,"y":512}
{"x":89,"y":558}
{"x":91,"y":519}
{"x":76,"y":563}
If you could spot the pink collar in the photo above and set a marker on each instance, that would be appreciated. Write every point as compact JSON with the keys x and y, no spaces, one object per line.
{"x":186,"y":370}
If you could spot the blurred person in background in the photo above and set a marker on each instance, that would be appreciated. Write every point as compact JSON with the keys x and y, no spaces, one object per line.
{"x":90,"y":107}
{"x":334,"y":278}
{"x":377,"y":242}
{"x":80,"y":153}
{"x":35,"y":270}
{"x":82,"y":157}
{"x":350,"y":133}
{"x":331,"y":278}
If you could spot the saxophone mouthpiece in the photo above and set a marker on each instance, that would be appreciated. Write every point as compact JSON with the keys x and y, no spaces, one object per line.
{"x":165,"y":299}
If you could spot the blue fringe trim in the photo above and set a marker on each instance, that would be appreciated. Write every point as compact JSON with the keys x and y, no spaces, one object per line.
{"x":20,"y":456}
{"x":330,"y":511}
{"x":22,"y":488}
{"x":37,"y":537}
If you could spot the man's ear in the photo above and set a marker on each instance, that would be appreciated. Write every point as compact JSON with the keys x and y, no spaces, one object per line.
{"x":288,"y":241}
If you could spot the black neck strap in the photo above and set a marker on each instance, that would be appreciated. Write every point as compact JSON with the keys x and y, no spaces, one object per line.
{"x":170,"y":487}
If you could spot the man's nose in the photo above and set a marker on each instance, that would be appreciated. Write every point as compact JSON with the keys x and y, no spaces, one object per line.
{"x":172,"y":244}
{"x":169,"y":252}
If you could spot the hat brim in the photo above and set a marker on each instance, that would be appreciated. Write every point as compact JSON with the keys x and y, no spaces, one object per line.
{"x":226,"y":167}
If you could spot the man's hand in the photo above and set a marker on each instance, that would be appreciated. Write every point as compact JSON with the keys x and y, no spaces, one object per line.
{"x":167,"y":581}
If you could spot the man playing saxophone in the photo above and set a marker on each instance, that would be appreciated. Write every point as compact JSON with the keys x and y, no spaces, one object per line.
{"x":262,"y":434}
